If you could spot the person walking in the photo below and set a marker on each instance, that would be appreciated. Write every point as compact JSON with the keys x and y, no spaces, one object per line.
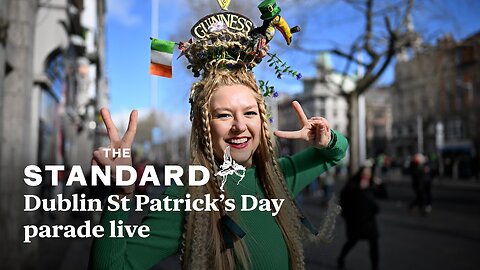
{"x":417,"y":172}
{"x":359,"y":210}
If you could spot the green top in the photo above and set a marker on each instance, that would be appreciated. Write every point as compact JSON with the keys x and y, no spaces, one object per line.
{"x":264,"y":239}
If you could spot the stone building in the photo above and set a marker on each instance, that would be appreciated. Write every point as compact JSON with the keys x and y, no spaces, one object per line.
{"x":378,"y":122}
{"x":17,"y":127}
{"x":435,"y":105}
{"x":52,"y":80}
{"x":320,"y":97}
{"x":69,"y":78}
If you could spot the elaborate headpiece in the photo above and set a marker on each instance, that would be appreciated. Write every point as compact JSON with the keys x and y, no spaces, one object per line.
{"x":231,"y":41}
{"x":228,"y":40}
{"x":223,"y":48}
{"x":223,"y":40}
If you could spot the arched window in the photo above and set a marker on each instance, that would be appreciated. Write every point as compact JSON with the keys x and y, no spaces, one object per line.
{"x":50,"y":96}
{"x":55,"y":70}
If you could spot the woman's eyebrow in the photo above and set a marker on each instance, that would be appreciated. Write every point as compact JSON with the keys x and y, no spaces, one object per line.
{"x":251,"y":107}
{"x":221,"y":109}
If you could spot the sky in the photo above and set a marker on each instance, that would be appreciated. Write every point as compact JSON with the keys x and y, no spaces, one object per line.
{"x":129,"y":28}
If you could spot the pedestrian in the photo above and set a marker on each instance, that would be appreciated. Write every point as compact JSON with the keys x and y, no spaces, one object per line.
{"x":359,"y":210}
{"x":378,"y":184}
{"x":429,"y":175}
{"x":229,"y":122}
{"x":418,"y":175}
{"x":328,"y":182}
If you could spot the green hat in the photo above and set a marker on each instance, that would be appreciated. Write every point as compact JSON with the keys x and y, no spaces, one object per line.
{"x":269,"y":9}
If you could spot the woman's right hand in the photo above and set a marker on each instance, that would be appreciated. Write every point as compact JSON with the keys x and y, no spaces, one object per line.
{"x":315,"y":130}
{"x":101,"y":159}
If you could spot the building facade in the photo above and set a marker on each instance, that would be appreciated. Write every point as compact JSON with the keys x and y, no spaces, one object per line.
{"x":320,"y":97}
{"x":69,"y":78}
{"x":378,"y":120}
{"x":435,"y":105}
{"x":52,"y":81}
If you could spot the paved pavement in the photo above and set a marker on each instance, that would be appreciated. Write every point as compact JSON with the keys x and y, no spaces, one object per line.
{"x":448,"y":238}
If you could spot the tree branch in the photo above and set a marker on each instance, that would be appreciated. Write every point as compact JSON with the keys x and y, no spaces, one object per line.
{"x":355,"y":5}
{"x":368,"y":30}
{"x":349,"y":56}
{"x":364,"y":83}
{"x":353,"y":50}
{"x":333,"y":51}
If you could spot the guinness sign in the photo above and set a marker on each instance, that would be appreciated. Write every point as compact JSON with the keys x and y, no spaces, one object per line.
{"x":234,"y":21}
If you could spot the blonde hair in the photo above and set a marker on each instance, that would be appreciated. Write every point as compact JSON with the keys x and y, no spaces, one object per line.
{"x":202,"y":243}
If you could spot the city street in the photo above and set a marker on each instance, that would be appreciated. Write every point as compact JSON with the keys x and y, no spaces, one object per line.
{"x":448,"y":238}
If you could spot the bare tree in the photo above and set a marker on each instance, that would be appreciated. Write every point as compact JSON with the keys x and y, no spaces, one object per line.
{"x":387,"y":30}
{"x":377,"y":45}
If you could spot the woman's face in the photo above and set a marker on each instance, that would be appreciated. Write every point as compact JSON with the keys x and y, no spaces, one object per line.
{"x":235,"y":122}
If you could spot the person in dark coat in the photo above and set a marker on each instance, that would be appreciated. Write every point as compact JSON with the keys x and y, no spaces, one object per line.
{"x":419,"y":177}
{"x":359,"y":210}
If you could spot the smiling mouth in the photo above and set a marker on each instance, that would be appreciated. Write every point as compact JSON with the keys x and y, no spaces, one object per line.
{"x":238,"y":143}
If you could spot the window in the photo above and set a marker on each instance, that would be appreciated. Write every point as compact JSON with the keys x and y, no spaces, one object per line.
{"x":56,"y":73}
{"x":464,"y":55}
{"x":379,"y":131}
{"x":455,"y":129}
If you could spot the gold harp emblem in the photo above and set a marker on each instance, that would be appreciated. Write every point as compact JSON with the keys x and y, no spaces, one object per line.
{"x":223,"y":4}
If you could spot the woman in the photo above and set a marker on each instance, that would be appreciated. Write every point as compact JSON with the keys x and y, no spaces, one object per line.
{"x":228,"y":112}
{"x":359,"y":210}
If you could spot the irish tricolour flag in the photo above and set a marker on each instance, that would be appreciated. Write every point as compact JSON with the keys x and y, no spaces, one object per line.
{"x":161,"y":57}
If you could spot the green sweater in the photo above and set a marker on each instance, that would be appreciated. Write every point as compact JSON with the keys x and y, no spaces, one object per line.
{"x":264,"y":239}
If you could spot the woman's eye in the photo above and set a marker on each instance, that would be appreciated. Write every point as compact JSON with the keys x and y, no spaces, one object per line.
{"x":251,"y":113}
{"x":223,"y":115}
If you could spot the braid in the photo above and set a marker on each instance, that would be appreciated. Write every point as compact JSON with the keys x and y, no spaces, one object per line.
{"x":208,"y":150}
{"x":199,"y":241}
{"x":272,"y":189}
{"x":218,"y":246}
{"x":271,"y":152}
{"x":188,"y":215}
{"x":207,"y":140}
{"x":184,"y":236}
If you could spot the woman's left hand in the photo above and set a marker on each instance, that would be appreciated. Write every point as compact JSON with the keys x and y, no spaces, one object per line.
{"x":315,"y":130}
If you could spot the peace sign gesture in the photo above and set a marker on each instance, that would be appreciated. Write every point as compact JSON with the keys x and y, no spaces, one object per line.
{"x":100,"y":156}
{"x":315,"y":130}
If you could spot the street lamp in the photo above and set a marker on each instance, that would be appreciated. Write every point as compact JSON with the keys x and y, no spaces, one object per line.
{"x":439,"y":143}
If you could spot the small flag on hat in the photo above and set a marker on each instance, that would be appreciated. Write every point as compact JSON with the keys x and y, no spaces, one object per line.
{"x":161,"y":57}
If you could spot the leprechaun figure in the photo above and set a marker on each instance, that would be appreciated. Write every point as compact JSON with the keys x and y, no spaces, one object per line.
{"x":271,"y":20}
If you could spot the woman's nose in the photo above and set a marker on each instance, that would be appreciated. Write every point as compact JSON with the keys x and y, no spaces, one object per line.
{"x":239,"y":125}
